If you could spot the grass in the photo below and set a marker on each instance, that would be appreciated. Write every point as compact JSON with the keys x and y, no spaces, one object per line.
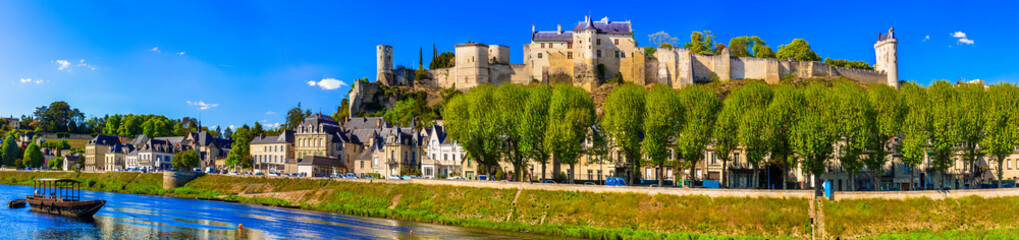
{"x":877,"y":217}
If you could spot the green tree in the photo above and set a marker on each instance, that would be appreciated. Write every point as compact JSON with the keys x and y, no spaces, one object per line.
{"x":888,"y":117}
{"x":701,"y":42}
{"x":762,"y":50}
{"x":240,"y":152}
{"x":33,"y":156}
{"x":798,"y":49}
{"x":623,"y":122}
{"x":571,"y":114}
{"x":56,"y":164}
{"x":972,"y":105}
{"x":782,"y":113}
{"x":511,"y":100}
{"x":256,"y":131}
{"x":752,"y":100}
{"x":11,"y":151}
{"x":854,"y":122}
{"x":58,"y":117}
{"x":533,"y":124}
{"x":112,"y":124}
{"x":944,"y":133}
{"x":915,"y":127}
{"x":848,"y":64}
{"x":343,"y":110}
{"x":663,"y":118}
{"x":469,"y":120}
{"x":815,"y":132}
{"x":700,"y":106}
{"x":295,"y":116}
{"x":444,"y":60}
{"x":1001,"y":124}
{"x":740,"y":46}
{"x":754,"y":95}
{"x":185,"y":160}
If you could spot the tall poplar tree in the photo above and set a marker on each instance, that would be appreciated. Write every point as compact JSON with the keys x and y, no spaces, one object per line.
{"x":915,"y":127}
{"x":888,"y":117}
{"x":854,"y":121}
{"x":571,"y":114}
{"x":944,"y":133}
{"x":815,"y":133}
{"x":623,"y":122}
{"x":782,"y":113}
{"x":1001,"y":124}
{"x":533,"y":124}
{"x":663,"y":118}
{"x":700,"y":106}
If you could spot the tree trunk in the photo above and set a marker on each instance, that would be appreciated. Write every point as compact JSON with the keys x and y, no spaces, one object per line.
{"x":1000,"y":171}
{"x":516,"y":170}
{"x":693,"y":167}
{"x":661,"y":168}
{"x":571,"y":173}
{"x":785,"y":175}
{"x":817,"y":184}
{"x":543,"y":170}
{"x":876,"y":184}
{"x":911,"y":173}
{"x":725,"y":173}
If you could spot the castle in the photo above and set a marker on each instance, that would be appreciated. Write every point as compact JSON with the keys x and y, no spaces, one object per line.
{"x":594,"y":51}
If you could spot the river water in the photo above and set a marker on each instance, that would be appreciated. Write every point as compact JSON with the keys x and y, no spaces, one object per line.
{"x":131,"y":216}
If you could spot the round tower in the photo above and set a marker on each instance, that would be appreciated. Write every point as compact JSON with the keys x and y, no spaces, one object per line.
{"x":384,"y":63}
{"x":498,"y":54}
{"x":887,"y":57}
{"x":471,"y":64}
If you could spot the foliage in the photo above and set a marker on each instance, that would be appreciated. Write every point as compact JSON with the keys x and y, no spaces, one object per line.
{"x":469,"y":121}
{"x":814,"y":135}
{"x":511,"y":100}
{"x":944,"y":117}
{"x":972,"y":107}
{"x":848,"y":64}
{"x":409,"y":109}
{"x":798,"y":49}
{"x":570,"y":114}
{"x":342,"y":111}
{"x":786,"y":105}
{"x":59,"y":117}
{"x":295,"y":116}
{"x":916,"y":125}
{"x":888,"y":117}
{"x":533,"y":125}
{"x":10,"y":151}
{"x":854,"y":121}
{"x":185,"y":160}
{"x":623,"y":121}
{"x":663,"y":118}
{"x":700,"y":106}
{"x":650,"y":51}
{"x":33,"y":156}
{"x":56,"y":163}
{"x":444,"y":60}
{"x":1001,"y":124}
{"x":701,"y":42}
{"x":240,"y":151}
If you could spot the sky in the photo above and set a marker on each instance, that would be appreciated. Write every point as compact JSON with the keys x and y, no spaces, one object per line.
{"x":238,"y":62}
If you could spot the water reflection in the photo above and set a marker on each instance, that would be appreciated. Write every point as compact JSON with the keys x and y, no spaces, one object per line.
{"x":130,"y":216}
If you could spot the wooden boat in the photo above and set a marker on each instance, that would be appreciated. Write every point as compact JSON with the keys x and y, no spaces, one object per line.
{"x":62,"y":197}
{"x":16,"y":203}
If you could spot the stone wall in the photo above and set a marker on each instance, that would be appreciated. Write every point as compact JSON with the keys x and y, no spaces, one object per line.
{"x":178,"y":179}
{"x":360,"y":94}
{"x":755,"y":68}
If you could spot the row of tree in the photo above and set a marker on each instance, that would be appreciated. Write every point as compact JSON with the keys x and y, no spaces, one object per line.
{"x":814,"y":127}
{"x":746,"y":46}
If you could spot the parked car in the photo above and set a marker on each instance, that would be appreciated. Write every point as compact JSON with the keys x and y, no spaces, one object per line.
{"x":233,"y":173}
{"x":259,"y":174}
{"x":350,"y":175}
{"x":863,"y":189}
{"x":405,"y":177}
{"x":550,"y":181}
{"x":456,"y":178}
{"x":615,"y":181}
{"x":394,"y":177}
{"x":483,"y":177}
{"x":589,"y":183}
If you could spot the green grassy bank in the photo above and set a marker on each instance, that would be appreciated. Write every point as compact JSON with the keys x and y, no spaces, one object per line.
{"x":584,"y":214}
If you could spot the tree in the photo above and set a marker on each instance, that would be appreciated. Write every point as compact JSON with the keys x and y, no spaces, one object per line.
{"x":915,"y":127}
{"x":154,"y":127}
{"x":623,"y":122}
{"x":256,"y":131}
{"x":58,"y":117}
{"x":10,"y":151}
{"x":888,"y":117}
{"x":701,"y":42}
{"x":782,"y":113}
{"x":661,"y":38}
{"x":571,"y":114}
{"x":444,"y":60}
{"x":815,"y":133}
{"x":663,"y":118}
{"x":295,"y":116}
{"x":33,"y":156}
{"x":754,"y":95}
{"x":854,"y":123}
{"x":185,"y":159}
{"x":1001,"y":124}
{"x":511,"y":100}
{"x":944,"y":133}
{"x":533,"y":124}
{"x":751,"y":46}
{"x":240,"y":152}
{"x":700,"y":106}
{"x":751,"y":100}
{"x":798,"y":49}
{"x":342,"y":111}
{"x":56,"y":164}
{"x":229,"y":132}
{"x":973,"y":106}
{"x":469,"y":119}
{"x":421,"y":58}
{"x":848,"y":64}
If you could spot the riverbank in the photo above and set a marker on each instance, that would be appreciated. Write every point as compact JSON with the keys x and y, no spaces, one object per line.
{"x":583,"y":214}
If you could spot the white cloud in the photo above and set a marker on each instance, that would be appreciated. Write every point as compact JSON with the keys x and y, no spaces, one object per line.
{"x":270,"y":113}
{"x":29,"y":80}
{"x":81,"y":63}
{"x":925,"y":38}
{"x":26,"y":80}
{"x":154,"y":49}
{"x":181,"y":53}
{"x":232,"y":127}
{"x":202,"y":105}
{"x":327,"y":83}
{"x":962,"y":38}
{"x":64,"y":65}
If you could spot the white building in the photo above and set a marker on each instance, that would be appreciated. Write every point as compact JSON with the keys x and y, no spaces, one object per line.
{"x":442,"y":156}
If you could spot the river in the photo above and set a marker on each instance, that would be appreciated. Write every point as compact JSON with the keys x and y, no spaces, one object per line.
{"x":132,"y":216}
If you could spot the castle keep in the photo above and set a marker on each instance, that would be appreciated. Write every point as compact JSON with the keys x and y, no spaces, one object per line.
{"x":593,"y":51}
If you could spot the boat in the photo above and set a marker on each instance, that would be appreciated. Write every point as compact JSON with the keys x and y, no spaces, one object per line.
{"x":16,"y":203}
{"x":62,"y":197}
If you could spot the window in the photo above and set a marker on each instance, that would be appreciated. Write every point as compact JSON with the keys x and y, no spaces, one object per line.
{"x":617,"y":54}
{"x":599,"y":52}
{"x":599,"y":174}
{"x":617,"y":41}
{"x":714,"y":160}
{"x":445,"y":157}
{"x":542,"y":45}
{"x":597,"y":42}
{"x":590,"y":174}
{"x":569,"y":55}
{"x":569,"y":45}
{"x":735,"y":157}
{"x":539,"y":55}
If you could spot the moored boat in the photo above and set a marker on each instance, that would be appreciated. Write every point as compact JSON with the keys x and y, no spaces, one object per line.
{"x":16,"y":203}
{"x":62,"y":197}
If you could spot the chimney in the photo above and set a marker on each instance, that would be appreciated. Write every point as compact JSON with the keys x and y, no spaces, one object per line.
{"x":559,"y":28}
{"x":378,"y":123}
{"x":532,"y":28}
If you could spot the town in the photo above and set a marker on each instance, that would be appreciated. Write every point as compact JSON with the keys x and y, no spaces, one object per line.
{"x":888,"y":135}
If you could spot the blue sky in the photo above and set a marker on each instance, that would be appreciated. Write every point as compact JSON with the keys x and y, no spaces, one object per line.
{"x":237,"y":62}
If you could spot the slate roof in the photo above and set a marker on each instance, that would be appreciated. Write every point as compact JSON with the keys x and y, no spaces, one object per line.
{"x":551,"y":36}
{"x":121,"y":148}
{"x":105,"y":140}
{"x":203,"y":138}
{"x":605,"y":26}
{"x":365,"y":123}
{"x":320,"y":161}
{"x":286,"y":137}
{"x":885,"y":36}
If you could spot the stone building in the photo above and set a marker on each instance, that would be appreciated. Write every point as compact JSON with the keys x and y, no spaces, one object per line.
{"x":273,"y":153}
{"x":115,"y":158}
{"x":95,"y":152}
{"x":443,"y":156}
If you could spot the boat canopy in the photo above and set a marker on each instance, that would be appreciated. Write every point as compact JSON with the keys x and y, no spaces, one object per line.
{"x":59,"y":180}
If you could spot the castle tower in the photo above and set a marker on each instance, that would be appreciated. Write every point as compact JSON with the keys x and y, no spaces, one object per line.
{"x":384,"y":66}
{"x":471,"y":65}
{"x":498,"y":54}
{"x":887,"y":57}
